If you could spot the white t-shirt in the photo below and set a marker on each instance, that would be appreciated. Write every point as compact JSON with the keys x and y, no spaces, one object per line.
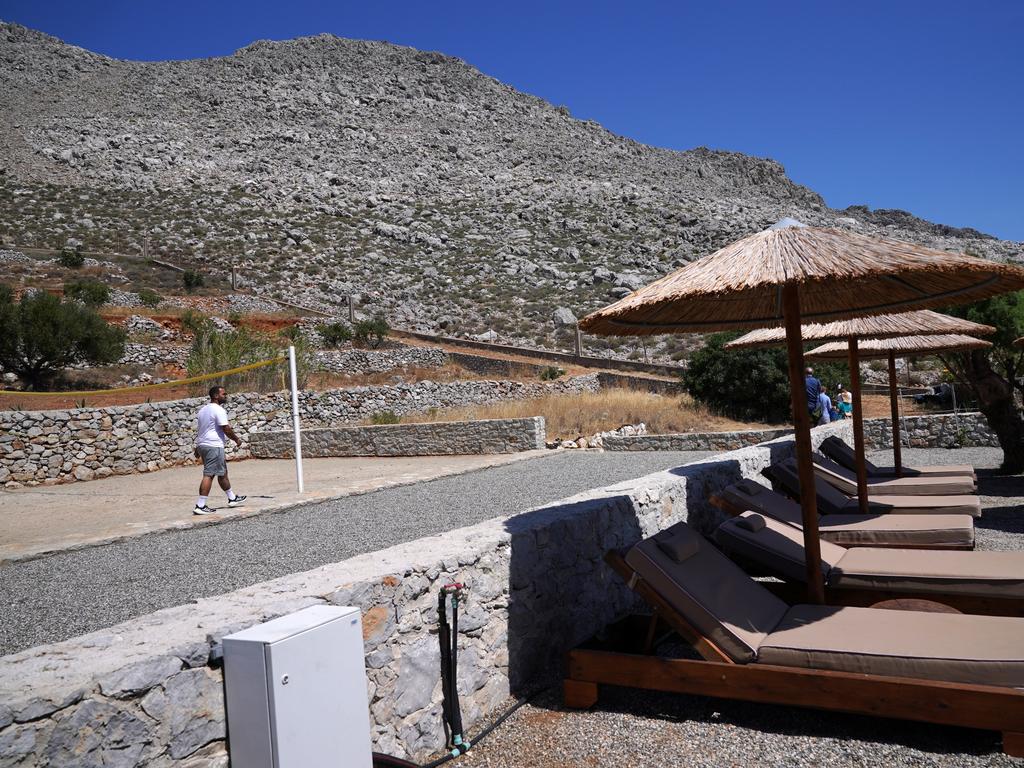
{"x":212,"y":419}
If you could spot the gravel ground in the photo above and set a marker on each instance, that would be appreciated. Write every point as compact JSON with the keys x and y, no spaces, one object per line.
{"x":640,"y":729}
{"x":72,"y":593}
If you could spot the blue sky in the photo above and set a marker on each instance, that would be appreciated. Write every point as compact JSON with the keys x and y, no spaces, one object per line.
{"x":900,"y":104}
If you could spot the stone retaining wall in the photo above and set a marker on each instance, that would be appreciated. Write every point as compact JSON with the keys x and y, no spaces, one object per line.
{"x":443,"y":438}
{"x":692,"y":441}
{"x":941,"y":430}
{"x":356,"y":361}
{"x":84,"y":443}
{"x":147,"y":693}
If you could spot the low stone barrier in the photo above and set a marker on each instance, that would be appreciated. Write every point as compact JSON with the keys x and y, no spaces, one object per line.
{"x":149,"y":691}
{"x":356,"y":361}
{"x":442,"y":438}
{"x":85,"y":443}
{"x":940,"y":430}
{"x":692,"y":441}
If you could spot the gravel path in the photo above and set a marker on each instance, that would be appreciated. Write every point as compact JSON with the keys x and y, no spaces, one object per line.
{"x":72,"y":593}
{"x":640,"y":729}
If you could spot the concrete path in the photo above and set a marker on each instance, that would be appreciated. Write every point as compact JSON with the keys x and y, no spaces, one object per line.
{"x":41,"y":520}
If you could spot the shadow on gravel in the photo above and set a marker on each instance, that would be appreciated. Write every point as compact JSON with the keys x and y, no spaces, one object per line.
{"x":992,"y":483}
{"x":1008,"y":519}
{"x":793,"y":721}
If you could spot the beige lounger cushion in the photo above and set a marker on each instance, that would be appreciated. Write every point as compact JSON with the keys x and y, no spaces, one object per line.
{"x":833,"y":501}
{"x":986,"y":650}
{"x":857,"y":529}
{"x":709,"y":591}
{"x":778,"y":546}
{"x":920,"y":570}
{"x":846,"y":481}
{"x":842,"y":453}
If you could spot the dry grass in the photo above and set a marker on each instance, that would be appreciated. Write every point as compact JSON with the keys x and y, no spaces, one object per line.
{"x":572,"y":416}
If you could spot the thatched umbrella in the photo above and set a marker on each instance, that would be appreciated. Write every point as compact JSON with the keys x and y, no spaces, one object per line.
{"x":786,"y":274}
{"x":876,"y":327}
{"x":1019,"y":342}
{"x":905,"y":346}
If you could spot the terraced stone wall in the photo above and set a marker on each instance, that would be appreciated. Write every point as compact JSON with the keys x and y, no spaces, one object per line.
{"x":941,"y":430}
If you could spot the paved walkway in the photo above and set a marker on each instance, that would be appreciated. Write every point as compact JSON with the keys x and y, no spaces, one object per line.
{"x":69,"y":593}
{"x":35,"y":521}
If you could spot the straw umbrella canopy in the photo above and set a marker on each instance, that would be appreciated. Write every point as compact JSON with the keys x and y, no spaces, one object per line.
{"x":905,"y":346}
{"x":789,"y":273}
{"x":920,"y":322}
{"x":1019,"y":342}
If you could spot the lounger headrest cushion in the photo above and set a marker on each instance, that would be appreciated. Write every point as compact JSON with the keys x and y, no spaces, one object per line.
{"x":679,"y":548}
{"x":751,"y":522}
{"x":750,"y":487}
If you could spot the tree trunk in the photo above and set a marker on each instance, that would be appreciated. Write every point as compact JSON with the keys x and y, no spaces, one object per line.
{"x":996,"y":401}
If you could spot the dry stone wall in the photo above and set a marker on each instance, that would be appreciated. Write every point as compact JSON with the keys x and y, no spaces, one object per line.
{"x":86,"y":443}
{"x":356,"y":361}
{"x":692,"y":441}
{"x":941,"y":430}
{"x":432,"y":439}
{"x":149,"y":691}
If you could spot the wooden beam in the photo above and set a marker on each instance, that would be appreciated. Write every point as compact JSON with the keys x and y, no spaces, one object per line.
{"x":930,"y":701}
{"x":802,"y":423}
{"x":858,"y":426}
{"x":894,"y":408}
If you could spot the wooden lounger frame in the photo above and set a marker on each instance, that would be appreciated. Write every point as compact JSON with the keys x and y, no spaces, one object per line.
{"x":734,"y":510}
{"x":973,"y":706}
{"x":795,"y":592}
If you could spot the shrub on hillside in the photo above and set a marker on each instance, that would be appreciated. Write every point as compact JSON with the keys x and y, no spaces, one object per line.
{"x":749,"y":385}
{"x":41,"y":335}
{"x":214,"y":351}
{"x":149,"y":297}
{"x":385,"y":417}
{"x":335,"y":334}
{"x":371,"y":333}
{"x":90,"y":292}
{"x":71,"y":258}
{"x":550,"y":373}
{"x":192,"y":279}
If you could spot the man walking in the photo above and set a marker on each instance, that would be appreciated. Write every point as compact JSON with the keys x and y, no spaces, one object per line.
{"x":813,"y":387}
{"x":213,"y":426}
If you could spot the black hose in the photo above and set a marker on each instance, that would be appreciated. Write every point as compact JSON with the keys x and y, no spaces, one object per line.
{"x":454,"y":671}
{"x":444,"y":640}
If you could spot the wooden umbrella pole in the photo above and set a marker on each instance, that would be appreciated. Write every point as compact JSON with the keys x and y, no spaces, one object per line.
{"x":894,"y":407}
{"x":858,"y":426}
{"x":802,"y":424}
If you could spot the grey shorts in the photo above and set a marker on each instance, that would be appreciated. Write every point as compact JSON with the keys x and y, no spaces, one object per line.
{"x":214,"y":463}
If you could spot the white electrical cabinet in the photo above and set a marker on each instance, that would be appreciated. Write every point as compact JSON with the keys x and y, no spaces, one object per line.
{"x":296,"y":692}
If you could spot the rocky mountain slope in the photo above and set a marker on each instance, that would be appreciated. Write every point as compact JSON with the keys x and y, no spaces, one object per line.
{"x":327,"y":167}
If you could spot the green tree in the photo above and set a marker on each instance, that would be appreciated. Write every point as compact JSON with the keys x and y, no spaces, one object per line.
{"x":90,"y":292}
{"x":41,"y":335}
{"x":72,"y":258}
{"x":371,"y":333}
{"x":750,"y":385}
{"x":335,"y":334}
{"x":149,"y":297}
{"x":192,"y":279}
{"x":993,"y":376}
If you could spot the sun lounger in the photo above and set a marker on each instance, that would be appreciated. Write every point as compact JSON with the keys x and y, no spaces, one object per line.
{"x":942,"y":668}
{"x":996,"y":579}
{"x":846,"y":481}
{"x":853,"y":530}
{"x":843,"y":454}
{"x":832,"y":501}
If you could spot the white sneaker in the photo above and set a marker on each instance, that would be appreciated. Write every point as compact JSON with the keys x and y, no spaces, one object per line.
{"x":203,"y":510}
{"x":237,"y":501}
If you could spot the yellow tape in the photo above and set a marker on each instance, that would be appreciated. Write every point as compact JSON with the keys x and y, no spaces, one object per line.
{"x":177,"y":382}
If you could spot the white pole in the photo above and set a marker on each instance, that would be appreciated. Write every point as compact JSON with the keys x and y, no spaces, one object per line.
{"x":295,"y":417}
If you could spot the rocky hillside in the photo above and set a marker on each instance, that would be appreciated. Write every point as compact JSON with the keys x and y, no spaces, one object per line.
{"x":327,"y":167}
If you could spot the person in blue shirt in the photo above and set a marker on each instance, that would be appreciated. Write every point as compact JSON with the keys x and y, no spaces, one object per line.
{"x":813,"y":391}
{"x":825,"y":405}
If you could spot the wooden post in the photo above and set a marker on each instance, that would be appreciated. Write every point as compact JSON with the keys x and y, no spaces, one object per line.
{"x":145,"y":247}
{"x":579,"y":342}
{"x":894,"y":407}
{"x":802,"y":423}
{"x":858,"y":426}
{"x":351,"y":308}
{"x":234,"y":285}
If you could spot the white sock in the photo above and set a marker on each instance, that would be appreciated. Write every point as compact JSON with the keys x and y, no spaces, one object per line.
{"x":201,"y":501}
{"x":231,"y":494}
